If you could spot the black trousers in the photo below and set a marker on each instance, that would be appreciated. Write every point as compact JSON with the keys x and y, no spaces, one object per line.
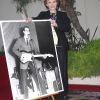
{"x":39,"y":80}
{"x":63,"y":62}
{"x":23,"y":78}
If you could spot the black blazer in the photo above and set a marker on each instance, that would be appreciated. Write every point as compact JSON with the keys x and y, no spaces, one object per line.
{"x":63,"y":25}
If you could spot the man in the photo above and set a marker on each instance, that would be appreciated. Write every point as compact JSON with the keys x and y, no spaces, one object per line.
{"x":26,"y":51}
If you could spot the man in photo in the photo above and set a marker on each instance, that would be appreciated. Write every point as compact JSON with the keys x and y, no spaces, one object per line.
{"x":25,"y":49}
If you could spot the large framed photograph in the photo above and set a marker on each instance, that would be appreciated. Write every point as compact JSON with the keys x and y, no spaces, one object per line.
{"x":32,"y":59}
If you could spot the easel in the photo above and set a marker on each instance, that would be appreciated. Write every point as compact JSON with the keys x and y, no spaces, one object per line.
{"x":51,"y":95}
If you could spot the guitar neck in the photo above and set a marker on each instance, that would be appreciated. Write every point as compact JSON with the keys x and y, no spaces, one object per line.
{"x":38,"y":55}
{"x":27,"y":56}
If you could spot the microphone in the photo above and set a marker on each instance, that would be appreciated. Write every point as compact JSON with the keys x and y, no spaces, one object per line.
{"x":53,"y":16}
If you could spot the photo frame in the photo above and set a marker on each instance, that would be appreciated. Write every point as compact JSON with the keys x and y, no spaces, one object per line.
{"x":46,"y":66}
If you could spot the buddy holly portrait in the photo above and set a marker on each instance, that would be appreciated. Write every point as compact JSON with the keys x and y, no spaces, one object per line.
{"x":32,"y":59}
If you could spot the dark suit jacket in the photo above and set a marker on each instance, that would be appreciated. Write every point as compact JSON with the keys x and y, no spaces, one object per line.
{"x":63,"y":25}
{"x":21,"y":46}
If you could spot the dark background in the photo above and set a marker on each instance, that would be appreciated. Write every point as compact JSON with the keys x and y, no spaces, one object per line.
{"x":45,"y":38}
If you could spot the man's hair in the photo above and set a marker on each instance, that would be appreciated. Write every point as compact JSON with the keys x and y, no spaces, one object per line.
{"x":58,"y":3}
{"x":22,"y":29}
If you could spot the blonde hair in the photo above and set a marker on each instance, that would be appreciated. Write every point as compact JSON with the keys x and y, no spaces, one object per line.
{"x":58,"y":3}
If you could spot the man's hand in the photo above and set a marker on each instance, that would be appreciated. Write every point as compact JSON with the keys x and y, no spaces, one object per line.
{"x":47,"y":55}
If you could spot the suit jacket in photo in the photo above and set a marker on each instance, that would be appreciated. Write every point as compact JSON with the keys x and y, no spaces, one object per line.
{"x":21,"y":46}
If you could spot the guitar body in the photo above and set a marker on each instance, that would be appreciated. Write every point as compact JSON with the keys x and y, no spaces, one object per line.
{"x":26,"y":57}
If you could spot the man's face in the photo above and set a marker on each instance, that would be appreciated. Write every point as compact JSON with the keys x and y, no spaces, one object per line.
{"x":26,"y":33}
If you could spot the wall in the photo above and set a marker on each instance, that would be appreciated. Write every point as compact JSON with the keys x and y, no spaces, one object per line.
{"x":8,"y":10}
{"x":90,"y":17}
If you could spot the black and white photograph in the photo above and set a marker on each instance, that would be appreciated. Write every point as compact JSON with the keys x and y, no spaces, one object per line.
{"x":32,"y":59}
